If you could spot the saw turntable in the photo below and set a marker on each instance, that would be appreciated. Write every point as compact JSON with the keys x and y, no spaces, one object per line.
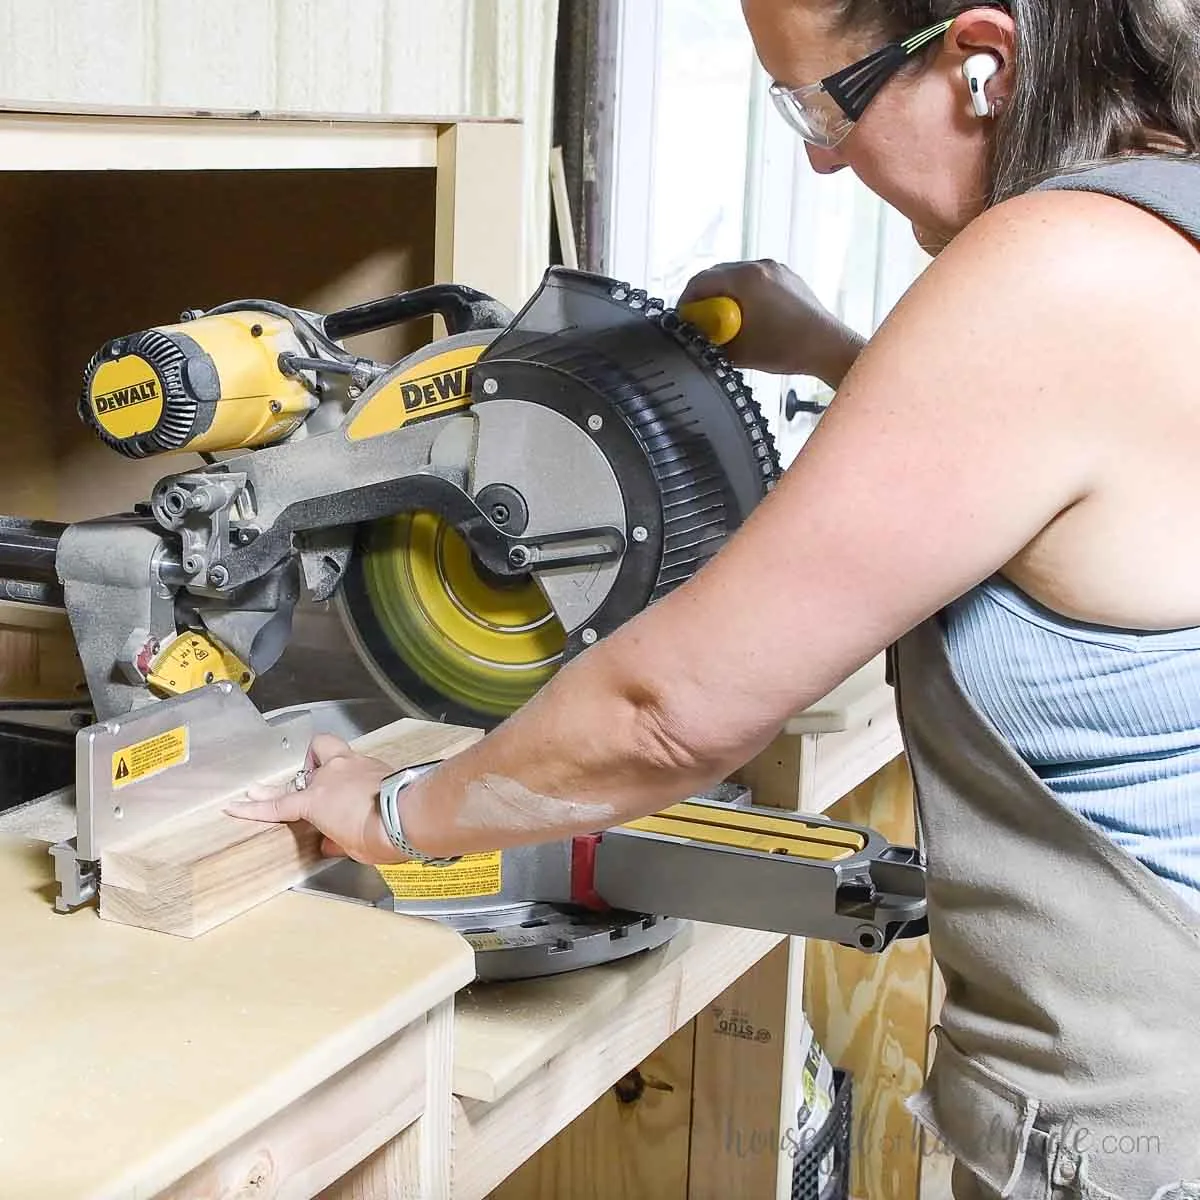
{"x":477,"y":514}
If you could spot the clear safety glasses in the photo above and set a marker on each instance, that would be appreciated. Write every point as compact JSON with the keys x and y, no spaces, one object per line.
{"x":824,"y":113}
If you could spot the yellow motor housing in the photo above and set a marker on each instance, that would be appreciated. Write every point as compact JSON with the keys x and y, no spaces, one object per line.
{"x":209,"y":384}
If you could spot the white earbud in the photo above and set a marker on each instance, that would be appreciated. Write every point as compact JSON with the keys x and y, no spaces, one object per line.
{"x":977,"y":70}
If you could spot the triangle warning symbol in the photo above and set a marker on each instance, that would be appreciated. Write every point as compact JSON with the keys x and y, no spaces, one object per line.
{"x":122,"y":769}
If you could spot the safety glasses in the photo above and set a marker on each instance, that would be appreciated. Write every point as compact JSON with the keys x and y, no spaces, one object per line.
{"x":824,"y":113}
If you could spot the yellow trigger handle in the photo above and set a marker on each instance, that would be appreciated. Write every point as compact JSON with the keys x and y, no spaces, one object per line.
{"x":719,"y":318}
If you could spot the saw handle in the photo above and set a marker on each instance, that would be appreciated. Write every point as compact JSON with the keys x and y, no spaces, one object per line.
{"x":462,"y":308}
{"x":719,"y":318}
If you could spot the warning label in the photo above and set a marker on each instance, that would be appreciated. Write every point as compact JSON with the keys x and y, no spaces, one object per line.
{"x":150,"y":757}
{"x":476,"y":875}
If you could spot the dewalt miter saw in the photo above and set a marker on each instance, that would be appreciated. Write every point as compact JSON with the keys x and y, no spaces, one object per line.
{"x":479,"y":513}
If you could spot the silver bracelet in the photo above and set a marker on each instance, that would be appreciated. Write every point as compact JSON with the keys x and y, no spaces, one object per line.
{"x":389,"y":811}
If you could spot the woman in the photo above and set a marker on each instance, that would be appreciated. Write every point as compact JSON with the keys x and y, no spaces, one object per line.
{"x":1004,"y":492}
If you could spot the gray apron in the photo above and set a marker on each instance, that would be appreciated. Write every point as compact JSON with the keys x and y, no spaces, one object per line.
{"x":1067,"y":1056}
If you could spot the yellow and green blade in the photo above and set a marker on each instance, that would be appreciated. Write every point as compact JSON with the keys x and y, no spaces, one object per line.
{"x":454,"y":641}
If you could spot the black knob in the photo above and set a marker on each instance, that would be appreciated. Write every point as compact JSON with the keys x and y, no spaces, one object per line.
{"x":793,"y":405}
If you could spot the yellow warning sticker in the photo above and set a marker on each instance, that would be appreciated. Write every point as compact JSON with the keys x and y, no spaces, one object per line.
{"x":155,"y":754}
{"x":475,"y":875}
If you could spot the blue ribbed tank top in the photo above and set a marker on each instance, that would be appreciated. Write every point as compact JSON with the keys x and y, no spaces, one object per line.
{"x":1109,"y":719}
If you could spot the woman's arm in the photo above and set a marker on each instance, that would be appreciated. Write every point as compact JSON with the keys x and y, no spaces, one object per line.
{"x":786,"y":330}
{"x":972,"y":420}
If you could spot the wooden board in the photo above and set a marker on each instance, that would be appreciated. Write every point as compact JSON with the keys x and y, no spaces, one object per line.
{"x":418,"y":1163}
{"x":870,"y":1013}
{"x":187,"y":876}
{"x":632,"y":1143}
{"x":757,"y":1081}
{"x":676,"y":981}
{"x":825,"y":752}
{"x":131,"y":1060}
{"x":736,"y":1134}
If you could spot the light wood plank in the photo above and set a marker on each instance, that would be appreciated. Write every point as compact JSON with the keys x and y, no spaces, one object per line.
{"x":792,"y":1068}
{"x":203,"y":870}
{"x":480,"y":192}
{"x":825,"y":752}
{"x":834,"y":764}
{"x":416,"y":1164}
{"x":321,"y":1135}
{"x":491,"y":1140}
{"x":191,"y":874}
{"x":631,"y":1143}
{"x":849,"y":704}
{"x":160,"y":1054}
{"x":392,"y":1172}
{"x":740,"y":1044}
{"x":507,"y":1032}
{"x":810,"y":772}
{"x":870,"y":1014}
{"x":437,"y":1121}
{"x":51,"y":142}
{"x":936,"y":1161}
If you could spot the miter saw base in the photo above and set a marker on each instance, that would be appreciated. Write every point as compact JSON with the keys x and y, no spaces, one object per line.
{"x":527,"y":911}
{"x":516,"y":940}
{"x":203,"y":744}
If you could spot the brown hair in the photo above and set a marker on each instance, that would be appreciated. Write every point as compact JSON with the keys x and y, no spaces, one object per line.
{"x":1093,"y":80}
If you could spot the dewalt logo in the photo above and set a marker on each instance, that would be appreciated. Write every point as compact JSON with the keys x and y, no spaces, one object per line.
{"x":136,"y":393}
{"x":437,"y":389}
{"x":438,"y":385}
{"x":127,"y":396}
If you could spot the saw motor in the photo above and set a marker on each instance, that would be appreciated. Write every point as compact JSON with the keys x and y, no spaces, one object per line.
{"x":214,"y":383}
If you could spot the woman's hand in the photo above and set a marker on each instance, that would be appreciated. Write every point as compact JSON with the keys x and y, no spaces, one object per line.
{"x":786,"y":330}
{"x":340,"y":799}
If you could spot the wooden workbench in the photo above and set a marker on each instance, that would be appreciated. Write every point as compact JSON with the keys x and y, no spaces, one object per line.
{"x":312,"y":1044}
{"x":274,"y":1053}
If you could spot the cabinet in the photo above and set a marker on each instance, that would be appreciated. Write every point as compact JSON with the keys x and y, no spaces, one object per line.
{"x":110,"y":224}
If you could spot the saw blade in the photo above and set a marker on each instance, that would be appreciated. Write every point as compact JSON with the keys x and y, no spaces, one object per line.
{"x":463,"y":640}
{"x":448,"y":640}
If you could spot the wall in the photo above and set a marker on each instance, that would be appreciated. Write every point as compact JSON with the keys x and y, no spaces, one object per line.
{"x":26,"y":348}
{"x":365,"y":58}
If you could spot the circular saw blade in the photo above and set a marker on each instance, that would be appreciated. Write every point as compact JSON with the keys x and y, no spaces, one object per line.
{"x":447,"y":642}
{"x":447,"y":639}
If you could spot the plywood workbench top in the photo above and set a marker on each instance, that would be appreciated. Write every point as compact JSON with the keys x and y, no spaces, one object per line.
{"x":129,"y":1058}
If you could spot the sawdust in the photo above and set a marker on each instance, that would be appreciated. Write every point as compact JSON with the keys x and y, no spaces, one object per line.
{"x":49,"y":818}
{"x":497,"y":803}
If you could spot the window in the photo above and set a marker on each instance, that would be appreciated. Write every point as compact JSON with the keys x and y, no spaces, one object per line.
{"x":705,"y":171}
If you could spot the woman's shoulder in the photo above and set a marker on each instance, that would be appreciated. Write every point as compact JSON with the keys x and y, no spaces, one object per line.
{"x":1095,"y":219}
{"x":1081,"y":258}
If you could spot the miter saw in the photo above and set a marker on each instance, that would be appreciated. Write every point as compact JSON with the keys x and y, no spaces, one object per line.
{"x":478,"y":513}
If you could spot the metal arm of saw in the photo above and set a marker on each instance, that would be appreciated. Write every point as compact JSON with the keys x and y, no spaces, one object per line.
{"x":757,"y":868}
